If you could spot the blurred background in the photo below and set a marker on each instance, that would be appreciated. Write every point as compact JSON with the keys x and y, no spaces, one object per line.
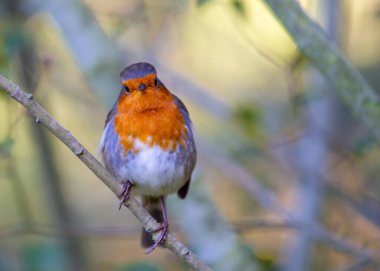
{"x":287,"y":178}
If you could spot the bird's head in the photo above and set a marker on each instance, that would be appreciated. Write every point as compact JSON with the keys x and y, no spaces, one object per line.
{"x":141,"y":89}
{"x":139,"y":77}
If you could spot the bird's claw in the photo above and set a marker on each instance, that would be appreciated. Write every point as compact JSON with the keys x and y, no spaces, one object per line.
{"x":124,"y":195}
{"x":161,"y":239}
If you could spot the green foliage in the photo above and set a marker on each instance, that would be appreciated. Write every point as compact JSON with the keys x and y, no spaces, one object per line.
{"x":248,"y":117}
{"x":298,"y":62}
{"x":3,"y":95}
{"x":6,"y":146}
{"x":12,"y":40}
{"x":138,"y":266}
{"x":377,"y":14}
{"x":266,"y":262}
{"x":43,"y":257}
{"x":17,"y":47}
{"x":362,"y":144}
{"x":202,"y":2}
{"x":4,"y":56}
{"x":239,"y":7}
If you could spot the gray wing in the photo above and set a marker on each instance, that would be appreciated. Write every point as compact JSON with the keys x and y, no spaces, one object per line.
{"x":182,"y":192}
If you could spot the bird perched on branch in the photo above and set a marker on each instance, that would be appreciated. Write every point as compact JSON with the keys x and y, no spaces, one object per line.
{"x":148,"y":144}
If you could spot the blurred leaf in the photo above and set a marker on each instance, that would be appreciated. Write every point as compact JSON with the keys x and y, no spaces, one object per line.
{"x":299,"y":61}
{"x":43,"y":257}
{"x":247,"y":114}
{"x":248,"y":117}
{"x":377,"y":13}
{"x":139,"y":266}
{"x":2,"y":93}
{"x":367,"y":206}
{"x":4,"y":56}
{"x":362,"y":144}
{"x":28,"y":66}
{"x":202,"y":2}
{"x":266,"y":262}
{"x":6,"y":146}
{"x":239,"y":7}
{"x":299,"y":100}
{"x":14,"y":40}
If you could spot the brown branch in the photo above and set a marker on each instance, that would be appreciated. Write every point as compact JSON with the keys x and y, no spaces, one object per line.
{"x":94,"y":165}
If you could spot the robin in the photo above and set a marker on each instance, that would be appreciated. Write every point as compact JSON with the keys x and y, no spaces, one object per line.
{"x":148,"y":144}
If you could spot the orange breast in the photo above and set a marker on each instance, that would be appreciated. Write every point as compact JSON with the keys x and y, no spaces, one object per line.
{"x":152,"y":117}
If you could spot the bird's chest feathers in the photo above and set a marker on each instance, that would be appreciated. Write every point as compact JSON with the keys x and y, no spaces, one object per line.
{"x":149,"y":119}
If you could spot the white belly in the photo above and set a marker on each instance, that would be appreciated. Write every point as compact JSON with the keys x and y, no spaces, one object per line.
{"x":154,"y":171}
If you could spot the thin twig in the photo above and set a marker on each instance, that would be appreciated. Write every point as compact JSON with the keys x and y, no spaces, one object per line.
{"x":267,"y":199}
{"x":314,"y":43}
{"x":357,"y":265}
{"x":94,"y":165}
{"x":11,"y":230}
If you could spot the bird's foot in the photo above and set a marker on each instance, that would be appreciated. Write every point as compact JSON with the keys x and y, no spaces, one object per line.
{"x":124,"y":195}
{"x":164,"y":227}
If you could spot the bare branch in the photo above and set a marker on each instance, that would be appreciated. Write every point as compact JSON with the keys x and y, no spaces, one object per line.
{"x":357,"y":265}
{"x":94,"y":165}
{"x":267,"y":199}
{"x":80,"y":231}
{"x":314,"y":43}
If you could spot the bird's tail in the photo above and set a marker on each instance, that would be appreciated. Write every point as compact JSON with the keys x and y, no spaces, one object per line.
{"x":152,"y":205}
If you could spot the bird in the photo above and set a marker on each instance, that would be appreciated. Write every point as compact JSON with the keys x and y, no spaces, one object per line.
{"x":148,"y":145}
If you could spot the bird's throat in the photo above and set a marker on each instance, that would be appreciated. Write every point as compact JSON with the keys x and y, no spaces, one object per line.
{"x":149,"y":118}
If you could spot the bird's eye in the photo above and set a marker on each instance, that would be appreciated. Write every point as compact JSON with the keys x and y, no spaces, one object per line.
{"x":125,"y":88}
{"x":156,"y":82}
